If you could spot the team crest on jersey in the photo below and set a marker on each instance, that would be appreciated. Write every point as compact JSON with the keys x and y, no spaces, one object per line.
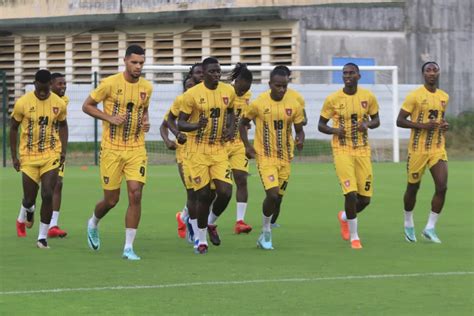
{"x":247,"y":101}
{"x":266,"y":111}
{"x":347,"y":183}
{"x":119,"y":91}
{"x":32,"y":109}
{"x":202,"y":101}
{"x":364,"y":104}
{"x":288,"y":112}
{"x":197,"y":180}
{"x":415,"y":175}
{"x":106,"y":180}
{"x":271,"y":178}
{"x":443,"y":104}
{"x":143,"y":96}
{"x":56,"y":110}
{"x":225,"y":100}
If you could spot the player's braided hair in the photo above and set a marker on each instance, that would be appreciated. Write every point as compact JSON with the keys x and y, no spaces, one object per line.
{"x":242,"y":72}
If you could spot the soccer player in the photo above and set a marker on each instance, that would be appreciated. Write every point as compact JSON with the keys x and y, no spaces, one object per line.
{"x":426,"y":107}
{"x":125,"y":120}
{"x":274,"y":113}
{"x":239,"y":163}
{"x":299,"y":98}
{"x":207,"y":116}
{"x":169,"y":124}
{"x":58,"y":86}
{"x":43,"y":141}
{"x":353,"y":111}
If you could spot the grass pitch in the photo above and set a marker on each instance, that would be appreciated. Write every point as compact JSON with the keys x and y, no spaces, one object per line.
{"x":311,"y":271}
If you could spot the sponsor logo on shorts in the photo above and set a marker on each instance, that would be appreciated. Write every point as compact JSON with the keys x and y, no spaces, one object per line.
{"x":364,"y":104}
{"x":288,"y":112}
{"x":271,"y":178}
{"x":55,"y":110}
{"x":415,"y":175}
{"x":197,"y":180}
{"x":347,"y":183}
{"x":106,"y":180}
{"x":143,"y":96}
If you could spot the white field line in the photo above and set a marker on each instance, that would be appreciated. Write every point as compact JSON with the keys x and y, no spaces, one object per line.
{"x":240,"y":282}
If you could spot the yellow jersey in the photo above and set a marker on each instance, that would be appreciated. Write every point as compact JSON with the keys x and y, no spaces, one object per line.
{"x":39,"y":124}
{"x":273,"y":122}
{"x":175,"y":109}
{"x":240,"y":105}
{"x":65,"y":98}
{"x":121,"y":97}
{"x":348,"y":111}
{"x":425,"y":106}
{"x":200,"y":101}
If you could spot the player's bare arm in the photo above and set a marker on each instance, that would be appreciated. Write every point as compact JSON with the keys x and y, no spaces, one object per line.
{"x":171,"y":145}
{"x":249,"y":150}
{"x":146,"y":121}
{"x":323,"y":127}
{"x":299,"y":137}
{"x":404,"y":122}
{"x":13,"y":143}
{"x":90,"y":107}
{"x":171,"y":123}
{"x":63,"y":137}
{"x":374,"y":122}
{"x":185,"y":126}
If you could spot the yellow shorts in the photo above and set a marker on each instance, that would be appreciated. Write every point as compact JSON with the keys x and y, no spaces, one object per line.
{"x":206,"y":167}
{"x":188,"y":180}
{"x":237,"y":158}
{"x":355,"y":174}
{"x":116,"y":163}
{"x":416,"y":164}
{"x":61,"y":170}
{"x":274,"y":175}
{"x":35,"y":168}
{"x":180,"y":153}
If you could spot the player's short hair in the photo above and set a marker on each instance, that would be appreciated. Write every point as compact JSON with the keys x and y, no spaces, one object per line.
{"x":284,"y":68}
{"x":55,"y":75}
{"x":185,"y":80}
{"x":278,"y":71}
{"x":353,"y":65}
{"x":426,"y":64}
{"x":191,"y":70}
{"x":209,"y":61}
{"x":134,"y":49}
{"x":43,"y":76}
{"x":241,"y":71}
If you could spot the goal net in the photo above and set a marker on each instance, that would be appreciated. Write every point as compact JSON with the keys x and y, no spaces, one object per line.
{"x":315,"y":83}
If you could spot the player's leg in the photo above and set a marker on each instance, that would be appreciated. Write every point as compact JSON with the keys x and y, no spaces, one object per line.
{"x":54,"y":230}
{"x":203,"y":202}
{"x":221,"y":176}
{"x":48,"y":181}
{"x":345,"y":170}
{"x":182,"y":216}
{"x":27,"y":208}
{"x":439,"y":172}
{"x":240,"y":179}
{"x":416,"y":165}
{"x":132,"y":217}
{"x":111,"y":173}
{"x":240,"y":168}
{"x":135,"y":166}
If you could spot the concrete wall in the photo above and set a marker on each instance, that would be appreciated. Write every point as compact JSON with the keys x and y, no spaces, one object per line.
{"x":405,"y":34}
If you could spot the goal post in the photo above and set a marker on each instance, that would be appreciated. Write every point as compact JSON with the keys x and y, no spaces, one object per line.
{"x":314,"y":83}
